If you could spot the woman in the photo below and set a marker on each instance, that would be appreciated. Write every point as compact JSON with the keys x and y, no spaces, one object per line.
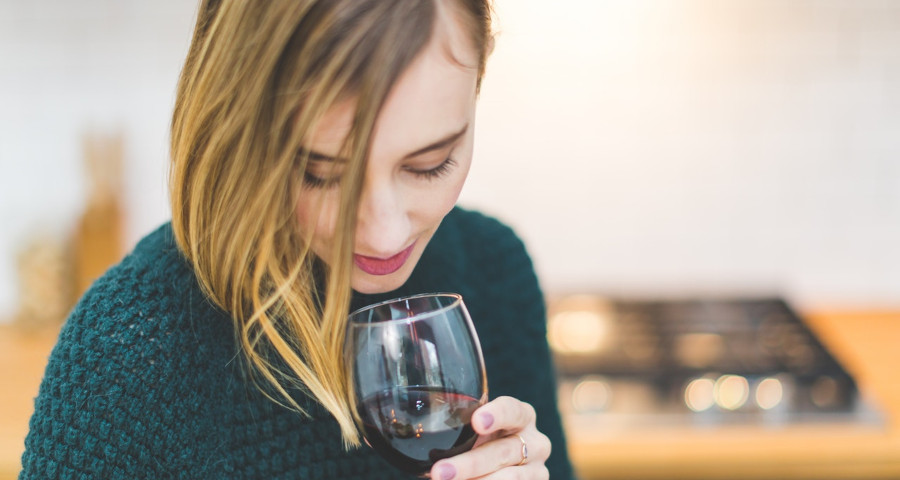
{"x":318,"y":149}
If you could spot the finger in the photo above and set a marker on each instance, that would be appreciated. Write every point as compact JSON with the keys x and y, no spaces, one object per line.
{"x":536,"y":471}
{"x":503,"y":413}
{"x":486,"y":459}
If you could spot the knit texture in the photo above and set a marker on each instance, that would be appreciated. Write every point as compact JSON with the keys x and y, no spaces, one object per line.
{"x":144,"y":381}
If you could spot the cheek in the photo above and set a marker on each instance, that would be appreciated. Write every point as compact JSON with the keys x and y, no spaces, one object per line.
{"x":459,"y":177}
{"x":454,"y":190}
{"x":316,"y":216}
{"x":439,"y":199}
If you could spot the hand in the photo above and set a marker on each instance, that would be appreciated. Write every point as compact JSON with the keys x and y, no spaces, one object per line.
{"x":498,"y":452}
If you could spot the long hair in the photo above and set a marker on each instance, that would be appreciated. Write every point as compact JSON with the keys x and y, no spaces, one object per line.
{"x":258,"y":76}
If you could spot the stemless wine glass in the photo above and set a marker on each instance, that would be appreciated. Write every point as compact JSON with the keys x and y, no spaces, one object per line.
{"x":417,"y":376}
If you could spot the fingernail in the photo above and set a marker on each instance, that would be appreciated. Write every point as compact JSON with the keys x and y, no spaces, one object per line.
{"x":487,"y":420}
{"x":446,"y":471}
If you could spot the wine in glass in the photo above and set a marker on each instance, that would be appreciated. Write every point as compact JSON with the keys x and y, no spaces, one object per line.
{"x":417,"y":375}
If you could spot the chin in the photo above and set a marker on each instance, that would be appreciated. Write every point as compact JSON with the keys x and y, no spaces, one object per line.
{"x":371,"y":284}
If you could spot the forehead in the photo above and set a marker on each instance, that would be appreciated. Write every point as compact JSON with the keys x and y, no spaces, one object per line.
{"x":434,"y":96}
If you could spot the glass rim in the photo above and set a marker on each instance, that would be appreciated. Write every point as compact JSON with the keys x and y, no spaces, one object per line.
{"x":457,"y":300}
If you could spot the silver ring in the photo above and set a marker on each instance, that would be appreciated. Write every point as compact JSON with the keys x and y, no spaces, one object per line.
{"x":524,"y":451}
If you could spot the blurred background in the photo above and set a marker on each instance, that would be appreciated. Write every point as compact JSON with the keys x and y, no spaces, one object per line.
{"x":710,"y":190}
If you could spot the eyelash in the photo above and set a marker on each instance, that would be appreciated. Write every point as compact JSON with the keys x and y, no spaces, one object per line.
{"x":436,"y":172}
{"x":313,"y":181}
{"x":439,"y":171}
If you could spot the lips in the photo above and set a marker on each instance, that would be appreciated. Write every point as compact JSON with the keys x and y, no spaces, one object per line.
{"x":383,"y":266}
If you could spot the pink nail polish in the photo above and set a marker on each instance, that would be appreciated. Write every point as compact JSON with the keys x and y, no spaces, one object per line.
{"x":446,"y":471}
{"x":487,"y":420}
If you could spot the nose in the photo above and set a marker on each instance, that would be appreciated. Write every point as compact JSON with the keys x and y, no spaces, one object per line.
{"x":383,"y":226}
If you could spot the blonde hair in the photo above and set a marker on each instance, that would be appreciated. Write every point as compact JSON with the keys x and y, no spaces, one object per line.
{"x":258,"y":76}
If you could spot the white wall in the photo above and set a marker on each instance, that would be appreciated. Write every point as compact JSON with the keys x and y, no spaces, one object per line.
{"x":719,"y":145}
{"x":638,"y":146}
{"x":69,"y":68}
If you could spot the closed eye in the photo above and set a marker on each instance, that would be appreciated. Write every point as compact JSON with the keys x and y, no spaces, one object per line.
{"x":442,"y":169}
{"x":436,"y":172}
{"x":317,"y":165}
{"x":313,"y":181}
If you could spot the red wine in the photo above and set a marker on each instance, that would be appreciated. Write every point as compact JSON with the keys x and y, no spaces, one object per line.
{"x":414,"y":427}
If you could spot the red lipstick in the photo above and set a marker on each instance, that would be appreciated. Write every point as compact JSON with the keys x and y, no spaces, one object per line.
{"x":382,"y":266}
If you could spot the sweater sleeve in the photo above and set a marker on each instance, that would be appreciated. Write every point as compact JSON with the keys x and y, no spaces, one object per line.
{"x":510,"y":316}
{"x":83,"y":426}
{"x":106,"y":404}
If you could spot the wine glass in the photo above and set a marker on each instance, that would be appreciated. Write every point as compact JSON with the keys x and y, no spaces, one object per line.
{"x":417,"y":376}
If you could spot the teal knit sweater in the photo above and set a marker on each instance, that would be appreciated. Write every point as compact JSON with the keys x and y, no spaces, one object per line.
{"x":144,"y":381}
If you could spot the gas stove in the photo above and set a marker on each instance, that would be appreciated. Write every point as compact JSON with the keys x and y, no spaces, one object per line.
{"x":696,"y":361}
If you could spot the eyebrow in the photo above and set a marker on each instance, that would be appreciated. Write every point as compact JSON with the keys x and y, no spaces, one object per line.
{"x":447,"y":140}
{"x":436,"y":145}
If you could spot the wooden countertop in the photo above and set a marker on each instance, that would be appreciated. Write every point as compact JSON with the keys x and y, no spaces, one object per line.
{"x":23,"y":357}
{"x":866,"y":343}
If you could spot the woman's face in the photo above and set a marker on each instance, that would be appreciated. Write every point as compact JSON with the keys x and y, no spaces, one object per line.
{"x":419,"y":158}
